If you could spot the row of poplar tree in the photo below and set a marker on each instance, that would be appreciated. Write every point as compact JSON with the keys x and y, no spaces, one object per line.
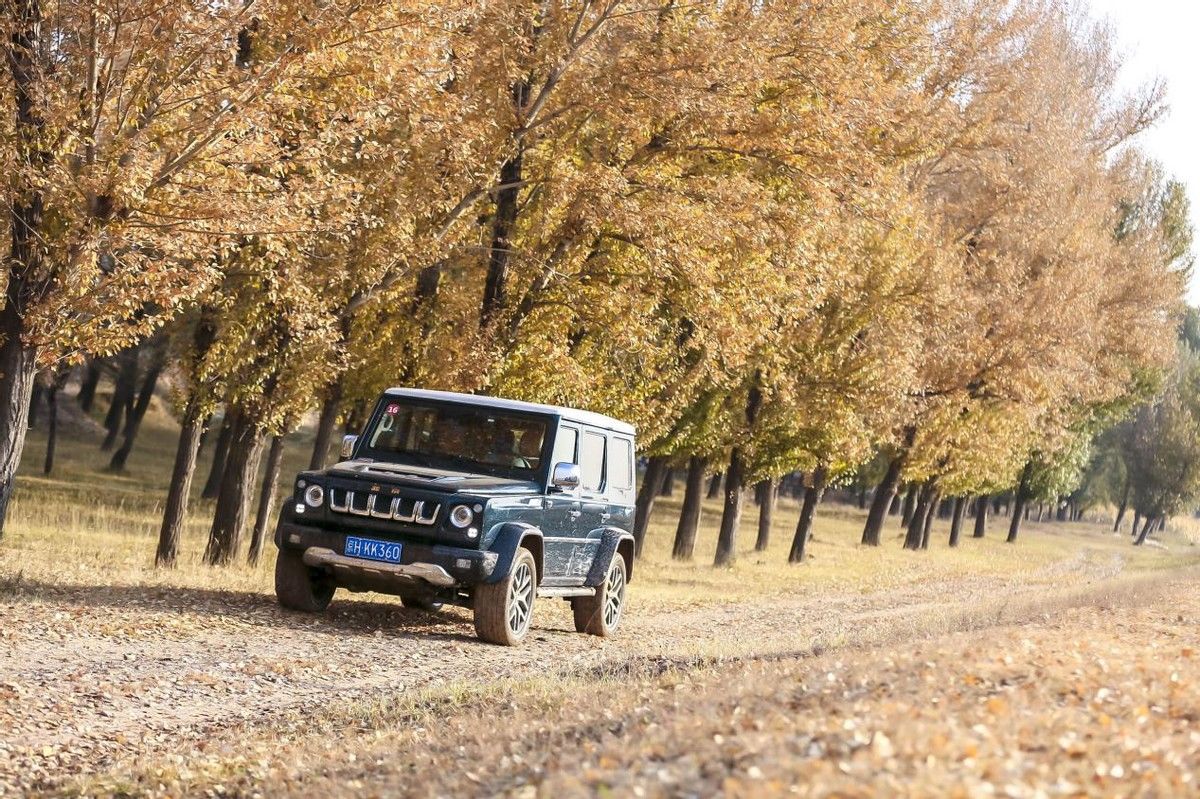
{"x":775,"y":236}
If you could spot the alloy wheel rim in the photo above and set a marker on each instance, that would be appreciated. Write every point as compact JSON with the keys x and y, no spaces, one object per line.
{"x":520,"y":599}
{"x":614,"y":597}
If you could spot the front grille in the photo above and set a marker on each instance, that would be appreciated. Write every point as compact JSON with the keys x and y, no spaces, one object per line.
{"x":377,"y":506}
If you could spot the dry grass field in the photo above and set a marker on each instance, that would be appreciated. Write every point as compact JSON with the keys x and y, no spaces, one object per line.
{"x":120,"y":679}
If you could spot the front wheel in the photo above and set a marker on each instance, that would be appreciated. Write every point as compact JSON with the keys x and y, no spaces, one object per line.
{"x":504,"y":609}
{"x":298,"y":587}
{"x":601,"y":614}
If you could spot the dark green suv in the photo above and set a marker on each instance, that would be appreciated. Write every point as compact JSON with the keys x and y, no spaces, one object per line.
{"x":476,"y":501}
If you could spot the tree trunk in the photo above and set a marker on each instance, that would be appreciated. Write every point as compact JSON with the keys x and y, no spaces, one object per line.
{"x":35,"y":401}
{"x":667,"y":489}
{"x":88,"y":384}
{"x":894,"y":509}
{"x":178,"y":494}
{"x":504,"y":221}
{"x":229,"y":516}
{"x":956,"y":519}
{"x":930,"y":514}
{"x":981,"y":515}
{"x":812,"y":496}
{"x":689,"y":515}
{"x":731,"y":514}
{"x":212,"y":486}
{"x":885,"y":494}
{"x":1122,"y":507}
{"x":123,"y":396}
{"x":1137,"y":519}
{"x":916,"y":522}
{"x":1020,"y":502}
{"x":1146,"y":528}
{"x":266,"y":499}
{"x":18,"y":364}
{"x":326,"y":422}
{"x":1162,"y":524}
{"x":133,"y":421}
{"x":656,"y":472}
{"x":52,"y":422}
{"x":909,"y":506}
{"x":766,"y":509}
{"x":714,"y":486}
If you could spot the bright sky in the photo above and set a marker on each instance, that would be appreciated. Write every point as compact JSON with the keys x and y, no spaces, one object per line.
{"x":1159,"y":40}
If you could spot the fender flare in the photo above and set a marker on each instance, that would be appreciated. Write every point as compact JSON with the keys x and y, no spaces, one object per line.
{"x":510,"y":537}
{"x":610,"y":543}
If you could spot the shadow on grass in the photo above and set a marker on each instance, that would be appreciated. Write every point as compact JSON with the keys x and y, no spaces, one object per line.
{"x":344,"y":616}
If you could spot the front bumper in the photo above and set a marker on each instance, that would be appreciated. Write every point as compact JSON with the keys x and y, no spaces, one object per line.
{"x":423,"y":564}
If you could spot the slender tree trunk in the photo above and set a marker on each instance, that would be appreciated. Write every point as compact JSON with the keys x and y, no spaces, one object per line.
{"x":1146,"y":528}
{"x":212,"y":486}
{"x":1137,"y":519}
{"x":52,"y":422}
{"x":910,"y":505}
{"x":930,"y":515}
{"x":88,"y":384}
{"x":656,"y":472}
{"x":894,"y":509}
{"x":1122,"y":507}
{"x":504,"y":220}
{"x":981,"y":515}
{"x":133,"y":422}
{"x":1020,"y":502}
{"x":731,"y":514}
{"x":714,"y":486}
{"x":266,"y":498}
{"x":175,"y":512}
{"x":229,"y":516}
{"x":689,"y":516}
{"x":1162,"y":524}
{"x":35,"y":401}
{"x":916,"y":523}
{"x":808,"y":509}
{"x":956,"y":519}
{"x":124,"y":392}
{"x":326,"y":423}
{"x":766,"y":509}
{"x":885,"y":495}
{"x":667,"y":489}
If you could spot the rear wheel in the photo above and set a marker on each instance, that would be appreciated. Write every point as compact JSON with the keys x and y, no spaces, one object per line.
{"x":601,"y":614}
{"x":298,"y":587}
{"x":503,"y":610}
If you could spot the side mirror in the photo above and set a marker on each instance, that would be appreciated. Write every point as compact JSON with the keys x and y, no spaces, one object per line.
{"x":565,"y":477}
{"x":348,"y":443}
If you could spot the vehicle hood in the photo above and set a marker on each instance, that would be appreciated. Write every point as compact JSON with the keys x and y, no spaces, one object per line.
{"x":431,"y":478}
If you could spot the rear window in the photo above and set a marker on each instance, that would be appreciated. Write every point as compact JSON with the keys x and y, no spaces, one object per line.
{"x":591,"y":461}
{"x":620,"y":463}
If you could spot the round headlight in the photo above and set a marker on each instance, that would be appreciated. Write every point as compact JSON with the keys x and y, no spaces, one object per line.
{"x":314,"y":495}
{"x":462,"y":516}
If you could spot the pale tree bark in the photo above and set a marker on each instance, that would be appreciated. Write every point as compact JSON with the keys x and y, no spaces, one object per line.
{"x":266,"y":499}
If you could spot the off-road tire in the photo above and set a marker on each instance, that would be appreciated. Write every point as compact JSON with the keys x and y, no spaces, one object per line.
{"x":601,"y":613}
{"x":298,"y":587}
{"x":496,"y":619}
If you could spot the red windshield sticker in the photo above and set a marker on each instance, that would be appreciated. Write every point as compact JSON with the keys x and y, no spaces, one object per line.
{"x":393,"y":409}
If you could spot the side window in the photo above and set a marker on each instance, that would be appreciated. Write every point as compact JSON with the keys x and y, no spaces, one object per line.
{"x":564,"y":446}
{"x":620,"y":464}
{"x":591,"y":461}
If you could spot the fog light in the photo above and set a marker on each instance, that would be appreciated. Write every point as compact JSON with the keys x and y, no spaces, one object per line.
{"x":472,"y":533}
{"x":314,"y":495}
{"x":299,"y":507}
{"x":462,"y":563}
{"x":462,"y":516}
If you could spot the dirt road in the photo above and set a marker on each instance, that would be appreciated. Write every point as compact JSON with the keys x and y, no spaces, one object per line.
{"x":91,"y":677}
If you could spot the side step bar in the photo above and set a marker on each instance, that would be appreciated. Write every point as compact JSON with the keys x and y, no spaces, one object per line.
{"x":565,"y":592}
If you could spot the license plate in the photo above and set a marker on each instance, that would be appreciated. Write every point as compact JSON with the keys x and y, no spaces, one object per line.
{"x":370,"y":549}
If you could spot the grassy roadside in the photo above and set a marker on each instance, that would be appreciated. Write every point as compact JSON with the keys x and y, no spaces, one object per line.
{"x":87,"y":526}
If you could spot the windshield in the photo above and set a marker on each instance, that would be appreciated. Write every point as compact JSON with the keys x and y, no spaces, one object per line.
{"x":458,"y":437}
